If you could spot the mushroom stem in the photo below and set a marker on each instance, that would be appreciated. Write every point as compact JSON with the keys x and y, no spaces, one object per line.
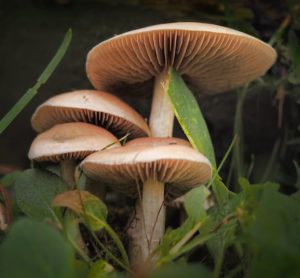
{"x":162,"y":115}
{"x":67,"y":170}
{"x":154,"y":216}
{"x":151,"y":211}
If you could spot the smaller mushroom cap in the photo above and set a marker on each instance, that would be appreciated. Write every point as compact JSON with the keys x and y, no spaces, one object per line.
{"x":90,"y":106}
{"x":70,"y":141}
{"x":166,"y":160}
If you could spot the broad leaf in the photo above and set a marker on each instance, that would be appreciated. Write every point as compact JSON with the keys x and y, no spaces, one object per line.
{"x":10,"y":178}
{"x":273,"y":235}
{"x":35,"y":190}
{"x":33,"y":249}
{"x":222,"y":225}
{"x":173,"y":236}
{"x":86,"y":205}
{"x":194,"y":203}
{"x":189,"y":115}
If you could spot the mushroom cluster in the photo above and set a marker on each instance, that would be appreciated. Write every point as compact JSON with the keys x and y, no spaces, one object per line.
{"x":73,"y":125}
{"x":155,"y":166}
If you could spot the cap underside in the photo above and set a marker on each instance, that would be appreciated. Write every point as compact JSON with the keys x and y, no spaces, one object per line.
{"x":211,"y":59}
{"x":124,"y":168}
{"x":70,"y":141}
{"x":98,"y":108}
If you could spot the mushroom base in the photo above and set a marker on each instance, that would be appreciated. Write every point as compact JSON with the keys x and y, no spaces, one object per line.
{"x":150,"y":223}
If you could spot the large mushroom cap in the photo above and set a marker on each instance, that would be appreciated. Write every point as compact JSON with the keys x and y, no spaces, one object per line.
{"x":177,"y":165}
{"x":70,"y":141}
{"x":211,"y":58}
{"x":90,"y":106}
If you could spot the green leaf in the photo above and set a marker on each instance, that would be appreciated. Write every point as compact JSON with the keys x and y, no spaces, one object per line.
{"x":222,"y":229}
{"x":89,"y":207}
{"x":273,"y":236}
{"x":26,"y":98}
{"x":10,"y":178}
{"x":189,"y":115}
{"x":35,"y":190}
{"x":34,"y":250}
{"x":100,"y":269}
{"x":181,"y":270}
{"x":221,"y":192}
{"x":194,"y":203}
{"x":92,"y":211}
{"x":173,"y":236}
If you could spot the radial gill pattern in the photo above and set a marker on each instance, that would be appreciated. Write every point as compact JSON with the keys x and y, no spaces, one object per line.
{"x":211,"y":58}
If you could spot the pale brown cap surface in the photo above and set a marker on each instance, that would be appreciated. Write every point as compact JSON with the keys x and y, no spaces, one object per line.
{"x":70,"y":141}
{"x":90,"y":106}
{"x":177,"y":165}
{"x":210,"y":58}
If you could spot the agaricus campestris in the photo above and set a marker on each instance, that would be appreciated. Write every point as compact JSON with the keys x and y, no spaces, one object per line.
{"x":149,"y":163}
{"x":93,"y":107}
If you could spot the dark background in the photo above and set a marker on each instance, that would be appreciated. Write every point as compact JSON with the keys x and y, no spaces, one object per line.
{"x":31,"y":31}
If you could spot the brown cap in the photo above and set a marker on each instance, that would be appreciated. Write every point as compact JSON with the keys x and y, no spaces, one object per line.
{"x":90,"y":106}
{"x":70,"y":141}
{"x":210,"y":58}
{"x":177,"y":165}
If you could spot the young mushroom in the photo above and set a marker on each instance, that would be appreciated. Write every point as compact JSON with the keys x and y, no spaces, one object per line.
{"x":93,"y":107}
{"x":68,"y":143}
{"x":151,"y":164}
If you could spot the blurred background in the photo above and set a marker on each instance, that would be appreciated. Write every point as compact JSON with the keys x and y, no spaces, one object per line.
{"x":31,"y":31}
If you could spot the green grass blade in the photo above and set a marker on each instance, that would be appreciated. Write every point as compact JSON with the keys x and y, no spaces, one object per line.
{"x":26,"y":98}
{"x":189,"y":115}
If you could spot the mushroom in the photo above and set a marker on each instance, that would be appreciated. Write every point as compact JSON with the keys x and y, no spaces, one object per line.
{"x":90,"y":106}
{"x":210,"y":58}
{"x":151,"y":163}
{"x":69,"y":142}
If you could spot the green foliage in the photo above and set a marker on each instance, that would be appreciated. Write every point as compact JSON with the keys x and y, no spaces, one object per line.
{"x":90,"y":208}
{"x":33,"y":249}
{"x":272,"y":235}
{"x":10,"y":178}
{"x":100,"y":269}
{"x":194,"y":203}
{"x":35,"y":190}
{"x":189,"y":115}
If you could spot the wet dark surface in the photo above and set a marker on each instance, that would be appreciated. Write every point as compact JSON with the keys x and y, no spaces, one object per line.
{"x":30,"y":35}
